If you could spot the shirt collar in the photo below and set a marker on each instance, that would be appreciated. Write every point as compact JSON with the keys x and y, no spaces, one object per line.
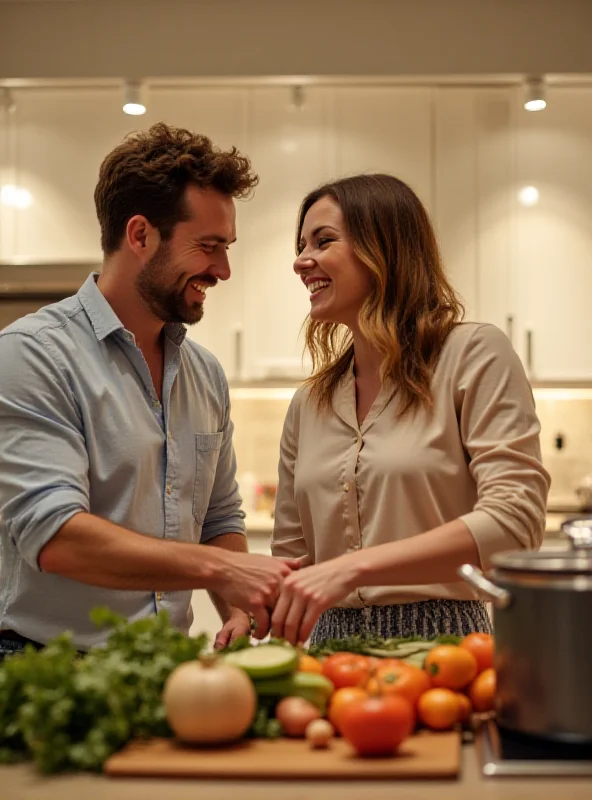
{"x":105,"y":321}
{"x":344,"y":401}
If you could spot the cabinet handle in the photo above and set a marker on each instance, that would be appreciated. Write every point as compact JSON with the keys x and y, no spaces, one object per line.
{"x":510,"y":328}
{"x":238,"y":352}
{"x":529,"y":350}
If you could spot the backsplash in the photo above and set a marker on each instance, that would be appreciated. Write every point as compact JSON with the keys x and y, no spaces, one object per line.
{"x":566,"y":419}
{"x":258,"y":416}
{"x":565,"y":414}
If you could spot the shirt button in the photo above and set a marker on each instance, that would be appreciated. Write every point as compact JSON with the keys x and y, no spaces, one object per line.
{"x":346,"y":487}
{"x":159,"y":596}
{"x":169,"y":488}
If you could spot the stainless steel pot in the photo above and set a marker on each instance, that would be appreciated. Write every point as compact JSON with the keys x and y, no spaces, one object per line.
{"x":543,"y":636}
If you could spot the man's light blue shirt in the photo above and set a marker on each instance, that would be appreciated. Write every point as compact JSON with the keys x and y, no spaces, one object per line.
{"x":82,"y":429}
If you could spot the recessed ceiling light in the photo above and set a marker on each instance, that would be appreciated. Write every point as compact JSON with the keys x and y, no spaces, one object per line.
{"x":528,"y":196}
{"x":132,"y":103}
{"x":15,"y":196}
{"x":535,"y":95}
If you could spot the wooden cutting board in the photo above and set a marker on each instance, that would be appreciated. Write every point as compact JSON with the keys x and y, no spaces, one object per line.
{"x":425,"y":755}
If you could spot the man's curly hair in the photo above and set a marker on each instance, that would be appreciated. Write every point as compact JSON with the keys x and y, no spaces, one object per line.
{"x":149,"y":171}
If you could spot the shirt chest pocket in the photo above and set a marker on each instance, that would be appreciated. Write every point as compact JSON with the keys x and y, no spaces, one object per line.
{"x":207,"y":451}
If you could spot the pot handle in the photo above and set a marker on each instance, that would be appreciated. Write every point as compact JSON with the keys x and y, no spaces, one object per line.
{"x":499,"y":597}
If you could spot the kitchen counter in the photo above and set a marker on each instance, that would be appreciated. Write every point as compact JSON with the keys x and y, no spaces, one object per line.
{"x":23,"y":783}
{"x":259,"y":522}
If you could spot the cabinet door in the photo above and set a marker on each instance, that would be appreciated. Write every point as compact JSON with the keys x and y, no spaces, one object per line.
{"x":220,"y":114}
{"x":386,"y":129}
{"x":473,"y":198}
{"x":335,"y":132}
{"x":62,"y":137}
{"x":554,"y":237}
{"x":7,"y":178}
{"x":289,"y":145}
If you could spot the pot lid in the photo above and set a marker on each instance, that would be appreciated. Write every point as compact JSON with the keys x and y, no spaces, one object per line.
{"x":573,"y":559}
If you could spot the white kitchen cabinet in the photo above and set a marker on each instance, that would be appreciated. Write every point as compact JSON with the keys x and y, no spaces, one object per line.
{"x":291,"y":150}
{"x":465,"y":151}
{"x":7,"y":178}
{"x":336,"y":132}
{"x":553,"y":257}
{"x":221,"y":114}
{"x":527,"y":269}
{"x":473,"y":197}
{"x":62,"y":137}
{"x":386,"y":129}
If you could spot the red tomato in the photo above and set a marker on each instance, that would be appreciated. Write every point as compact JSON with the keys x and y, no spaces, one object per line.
{"x":347,"y":669}
{"x":376,"y":726}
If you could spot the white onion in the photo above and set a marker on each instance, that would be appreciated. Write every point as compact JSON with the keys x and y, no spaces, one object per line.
{"x":209,"y":702}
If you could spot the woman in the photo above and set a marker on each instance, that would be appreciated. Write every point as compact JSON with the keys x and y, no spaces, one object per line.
{"x":413,"y":448}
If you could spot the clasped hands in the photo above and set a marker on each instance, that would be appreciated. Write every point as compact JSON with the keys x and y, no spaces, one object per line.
{"x":303,"y":595}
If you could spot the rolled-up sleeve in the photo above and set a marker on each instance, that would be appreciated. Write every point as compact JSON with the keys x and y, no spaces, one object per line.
{"x":224,"y":514}
{"x":44,"y":472}
{"x":500,"y":432}
{"x":288,"y":540}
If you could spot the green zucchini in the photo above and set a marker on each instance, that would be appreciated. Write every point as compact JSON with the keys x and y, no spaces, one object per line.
{"x":265,"y":660}
{"x":309,"y":685}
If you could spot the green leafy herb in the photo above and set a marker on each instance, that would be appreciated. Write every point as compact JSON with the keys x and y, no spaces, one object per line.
{"x":72,"y":712}
{"x":372,"y":645}
{"x":242,"y":643}
{"x":265,"y":726}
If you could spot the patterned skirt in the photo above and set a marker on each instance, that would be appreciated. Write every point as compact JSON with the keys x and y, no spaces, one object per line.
{"x":426,"y":618}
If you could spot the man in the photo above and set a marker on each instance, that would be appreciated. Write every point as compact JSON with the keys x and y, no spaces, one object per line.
{"x":117,"y":469}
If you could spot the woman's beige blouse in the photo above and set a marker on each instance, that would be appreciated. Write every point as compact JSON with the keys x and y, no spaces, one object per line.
{"x":476,"y":457}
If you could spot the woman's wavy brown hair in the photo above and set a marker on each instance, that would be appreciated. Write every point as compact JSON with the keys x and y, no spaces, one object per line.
{"x":149,"y":171}
{"x":411,"y":307}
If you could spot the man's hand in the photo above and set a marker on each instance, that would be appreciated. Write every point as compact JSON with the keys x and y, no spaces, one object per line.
{"x":307,"y":593}
{"x":253,"y":583}
{"x":237,"y":625}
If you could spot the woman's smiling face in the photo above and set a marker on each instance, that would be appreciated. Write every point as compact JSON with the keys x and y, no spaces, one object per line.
{"x":337,"y":280}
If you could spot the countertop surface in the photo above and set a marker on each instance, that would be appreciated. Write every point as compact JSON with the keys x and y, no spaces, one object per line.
{"x":23,"y":783}
{"x":261,"y":524}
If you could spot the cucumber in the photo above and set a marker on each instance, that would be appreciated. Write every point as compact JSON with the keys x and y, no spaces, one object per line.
{"x":265,"y":660}
{"x":311,"y":686}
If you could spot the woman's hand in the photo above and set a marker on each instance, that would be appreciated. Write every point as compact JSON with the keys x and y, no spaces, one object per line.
{"x":310,"y":591}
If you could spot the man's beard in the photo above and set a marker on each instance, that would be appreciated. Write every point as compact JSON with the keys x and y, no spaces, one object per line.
{"x":167,"y":304}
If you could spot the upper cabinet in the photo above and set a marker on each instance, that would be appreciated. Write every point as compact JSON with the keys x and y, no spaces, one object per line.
{"x":297,"y":141}
{"x":473,"y":198}
{"x":553,"y":237}
{"x":290,"y":147}
{"x":520,"y":259}
{"x":56,"y":143}
{"x":385,"y":129}
{"x":222,"y":114}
